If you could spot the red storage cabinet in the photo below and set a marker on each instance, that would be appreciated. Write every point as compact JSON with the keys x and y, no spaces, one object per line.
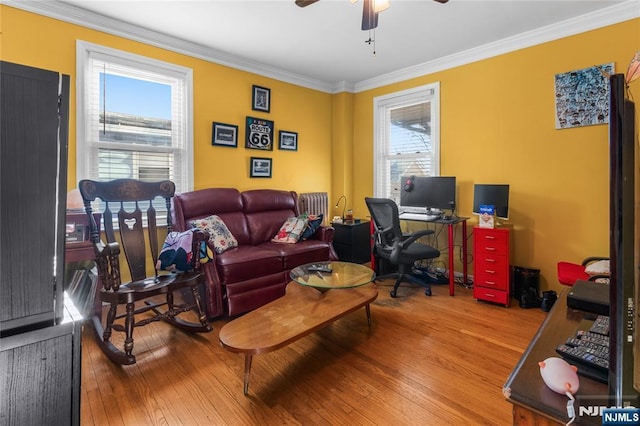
{"x":491,"y":250}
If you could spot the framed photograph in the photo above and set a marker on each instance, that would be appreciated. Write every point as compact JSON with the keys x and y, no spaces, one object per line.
{"x":288,"y":140}
{"x":261,"y":99}
{"x":260,"y":167}
{"x":259,"y":134}
{"x":224,"y":135}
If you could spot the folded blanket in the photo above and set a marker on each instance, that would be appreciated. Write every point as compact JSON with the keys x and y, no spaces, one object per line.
{"x":177,"y":253}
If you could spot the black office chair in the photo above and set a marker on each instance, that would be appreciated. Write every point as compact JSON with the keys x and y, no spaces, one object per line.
{"x":399,"y":249}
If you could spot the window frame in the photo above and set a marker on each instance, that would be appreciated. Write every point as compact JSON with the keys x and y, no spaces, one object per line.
{"x":381,"y":105}
{"x":86,"y":150}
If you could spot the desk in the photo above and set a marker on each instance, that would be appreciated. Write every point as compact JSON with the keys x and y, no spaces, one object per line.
{"x":533,"y":402}
{"x":79,"y":251}
{"x":450,"y":224}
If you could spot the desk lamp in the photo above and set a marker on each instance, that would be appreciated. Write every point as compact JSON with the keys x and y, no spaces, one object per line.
{"x":343,"y":207}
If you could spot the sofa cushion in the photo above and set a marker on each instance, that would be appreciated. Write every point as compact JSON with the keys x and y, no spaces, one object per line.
{"x":205,"y":202}
{"x":294,"y":255}
{"x":226,"y":203}
{"x":219,"y":235}
{"x":266,"y":210}
{"x":247,"y":262}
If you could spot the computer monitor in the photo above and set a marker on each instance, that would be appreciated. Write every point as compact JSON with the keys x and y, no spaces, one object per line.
{"x":492,"y":195}
{"x":431,"y":192}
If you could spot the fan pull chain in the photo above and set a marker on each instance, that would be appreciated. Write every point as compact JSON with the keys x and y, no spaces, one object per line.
{"x":371,"y":41}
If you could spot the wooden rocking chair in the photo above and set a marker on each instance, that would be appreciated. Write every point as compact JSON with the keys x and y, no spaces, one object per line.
{"x":127,"y":207}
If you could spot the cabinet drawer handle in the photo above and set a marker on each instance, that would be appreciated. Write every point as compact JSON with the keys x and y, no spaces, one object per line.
{"x":490,"y":271}
{"x":490,"y":260}
{"x":489,"y":295}
{"x":490,"y":237}
{"x":490,"y":249}
{"x":490,"y":282}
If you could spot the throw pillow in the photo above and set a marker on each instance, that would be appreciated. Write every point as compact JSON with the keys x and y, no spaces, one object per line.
{"x":290,"y":230}
{"x":219,"y":234}
{"x":314,"y":222}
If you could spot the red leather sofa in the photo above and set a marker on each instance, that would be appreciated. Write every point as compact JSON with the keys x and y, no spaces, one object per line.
{"x":257,"y":271}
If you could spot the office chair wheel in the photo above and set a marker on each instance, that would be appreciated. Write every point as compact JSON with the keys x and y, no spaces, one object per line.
{"x":392,"y":293}
{"x":427,"y":292}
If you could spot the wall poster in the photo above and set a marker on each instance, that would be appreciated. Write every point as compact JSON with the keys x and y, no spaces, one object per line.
{"x":582,"y":96}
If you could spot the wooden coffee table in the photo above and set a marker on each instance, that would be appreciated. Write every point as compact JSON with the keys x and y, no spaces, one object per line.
{"x":301,"y":311}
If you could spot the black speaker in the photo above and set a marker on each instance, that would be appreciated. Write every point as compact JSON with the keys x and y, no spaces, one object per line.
{"x":523,"y":279}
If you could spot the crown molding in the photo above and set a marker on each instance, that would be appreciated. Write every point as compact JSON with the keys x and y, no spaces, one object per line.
{"x":69,"y":13}
{"x":590,"y":21}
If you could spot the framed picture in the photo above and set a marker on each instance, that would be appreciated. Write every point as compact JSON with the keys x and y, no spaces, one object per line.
{"x":224,"y":135}
{"x":259,"y":134}
{"x":261,"y":99}
{"x":288,"y":140}
{"x":582,"y":96}
{"x":260,"y":167}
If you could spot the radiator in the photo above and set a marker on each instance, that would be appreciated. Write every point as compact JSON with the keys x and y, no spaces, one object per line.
{"x":314,"y":203}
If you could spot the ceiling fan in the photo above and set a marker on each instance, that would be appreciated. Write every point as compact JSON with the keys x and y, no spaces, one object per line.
{"x":370,"y":10}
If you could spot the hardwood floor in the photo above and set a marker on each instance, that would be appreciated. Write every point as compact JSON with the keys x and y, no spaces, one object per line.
{"x":436,"y":360}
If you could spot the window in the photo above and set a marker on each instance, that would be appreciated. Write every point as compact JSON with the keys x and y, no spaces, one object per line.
{"x":406,"y":138}
{"x":134,"y":117}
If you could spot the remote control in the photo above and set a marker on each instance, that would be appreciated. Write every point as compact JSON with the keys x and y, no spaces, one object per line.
{"x":319,"y":268}
{"x":580,"y":356}
{"x":588,"y":336}
{"x":600,"y":325}
{"x":574,"y":342}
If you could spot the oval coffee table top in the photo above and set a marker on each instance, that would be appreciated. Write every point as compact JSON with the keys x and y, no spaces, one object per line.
{"x":341,"y":275}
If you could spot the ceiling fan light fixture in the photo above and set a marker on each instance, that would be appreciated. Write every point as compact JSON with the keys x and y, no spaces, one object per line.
{"x":380,"y":5}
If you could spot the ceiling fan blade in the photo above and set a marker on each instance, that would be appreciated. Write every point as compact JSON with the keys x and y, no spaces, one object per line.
{"x":369,"y":17}
{"x":305,"y":3}
{"x":441,"y":1}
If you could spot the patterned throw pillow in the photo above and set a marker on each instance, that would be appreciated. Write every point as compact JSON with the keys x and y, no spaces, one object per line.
{"x":219,"y":234}
{"x":314,"y":222}
{"x":290,"y":231}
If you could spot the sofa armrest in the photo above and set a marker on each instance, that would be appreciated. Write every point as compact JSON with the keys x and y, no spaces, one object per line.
{"x":324,"y":233}
{"x":213,"y":291}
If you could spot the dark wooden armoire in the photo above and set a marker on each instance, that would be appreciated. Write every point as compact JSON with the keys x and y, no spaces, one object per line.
{"x":40,"y":334}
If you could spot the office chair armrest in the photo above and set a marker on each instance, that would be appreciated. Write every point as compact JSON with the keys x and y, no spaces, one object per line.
{"x":590,"y":259}
{"x":597,"y":277}
{"x":414,"y":236}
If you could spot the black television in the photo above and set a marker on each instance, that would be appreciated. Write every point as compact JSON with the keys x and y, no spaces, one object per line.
{"x":496,"y":195}
{"x":624,"y":247}
{"x":430,"y":192}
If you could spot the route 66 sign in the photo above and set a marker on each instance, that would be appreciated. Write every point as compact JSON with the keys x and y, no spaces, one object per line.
{"x":259,"y":134}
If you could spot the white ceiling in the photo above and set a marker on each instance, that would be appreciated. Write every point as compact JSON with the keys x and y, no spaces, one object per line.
{"x":322,"y":45}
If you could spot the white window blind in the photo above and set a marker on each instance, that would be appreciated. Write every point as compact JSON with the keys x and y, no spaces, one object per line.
{"x":406,"y":138}
{"x":134,"y":117}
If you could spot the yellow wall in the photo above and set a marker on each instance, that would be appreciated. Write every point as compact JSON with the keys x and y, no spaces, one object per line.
{"x":220,"y":94}
{"x":497,"y":127}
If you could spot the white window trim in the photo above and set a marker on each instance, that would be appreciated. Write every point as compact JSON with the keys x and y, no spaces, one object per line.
{"x":83,"y":51}
{"x":380,"y":104}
